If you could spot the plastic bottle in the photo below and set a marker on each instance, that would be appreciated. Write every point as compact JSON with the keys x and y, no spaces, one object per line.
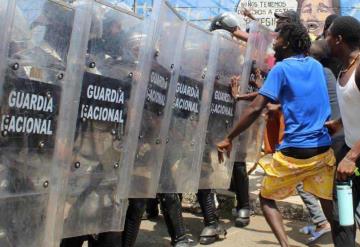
{"x":345,"y":203}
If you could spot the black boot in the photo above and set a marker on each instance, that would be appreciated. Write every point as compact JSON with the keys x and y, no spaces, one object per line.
{"x":128,"y":237}
{"x":134,"y":214}
{"x":242,"y":217}
{"x":172,"y":212}
{"x":240,"y":185}
{"x":152,"y":209}
{"x":74,"y":242}
{"x":106,"y":239}
{"x":212,"y":230}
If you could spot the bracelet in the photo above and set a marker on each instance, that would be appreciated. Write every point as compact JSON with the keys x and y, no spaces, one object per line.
{"x":357,"y":172}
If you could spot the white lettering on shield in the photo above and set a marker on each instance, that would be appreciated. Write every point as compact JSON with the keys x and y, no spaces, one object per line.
{"x":156,"y":97}
{"x":187,"y":104}
{"x":218,"y":108}
{"x":158,"y":80}
{"x":30,"y":101}
{"x":190,"y":91}
{"x":105,"y":94}
{"x":222,"y":96}
{"x":20,"y":123}
{"x":102,"y":113}
{"x":28,"y":125}
{"x":222,"y":110}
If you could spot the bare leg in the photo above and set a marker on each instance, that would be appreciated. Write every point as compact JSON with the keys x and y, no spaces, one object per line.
{"x":274,"y":219}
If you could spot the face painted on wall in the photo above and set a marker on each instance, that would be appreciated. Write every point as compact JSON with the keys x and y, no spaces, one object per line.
{"x":313,"y":14}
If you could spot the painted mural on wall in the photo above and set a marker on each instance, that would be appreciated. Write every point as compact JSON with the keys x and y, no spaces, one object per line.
{"x":312,"y":12}
{"x":264,"y":10}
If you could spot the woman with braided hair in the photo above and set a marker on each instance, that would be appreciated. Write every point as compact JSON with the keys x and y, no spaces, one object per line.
{"x":304,"y":156}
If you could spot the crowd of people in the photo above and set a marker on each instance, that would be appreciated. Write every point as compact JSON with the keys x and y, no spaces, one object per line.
{"x":310,"y":157}
{"x":311,"y":97}
{"x":313,"y":91}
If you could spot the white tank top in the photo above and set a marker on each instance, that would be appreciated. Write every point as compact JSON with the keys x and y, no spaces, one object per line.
{"x":349,"y":104}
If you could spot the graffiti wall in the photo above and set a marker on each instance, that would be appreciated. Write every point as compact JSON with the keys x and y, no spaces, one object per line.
{"x":200,"y":12}
{"x":312,"y":12}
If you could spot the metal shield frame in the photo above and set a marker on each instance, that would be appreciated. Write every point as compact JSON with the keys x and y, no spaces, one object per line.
{"x":96,"y":193}
{"x":162,"y":76}
{"x":258,"y":49}
{"x":223,"y":115}
{"x":181,"y":165}
{"x":34,"y":63}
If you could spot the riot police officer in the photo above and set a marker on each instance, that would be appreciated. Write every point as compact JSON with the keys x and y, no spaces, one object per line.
{"x":228,"y":25}
{"x":230,"y":22}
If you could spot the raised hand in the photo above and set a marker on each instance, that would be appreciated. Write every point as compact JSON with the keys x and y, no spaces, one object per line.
{"x":224,"y":146}
{"x":235,"y":88}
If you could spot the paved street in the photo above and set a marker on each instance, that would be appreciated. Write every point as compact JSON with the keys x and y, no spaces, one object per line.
{"x":154,"y":234}
{"x":258,"y":233}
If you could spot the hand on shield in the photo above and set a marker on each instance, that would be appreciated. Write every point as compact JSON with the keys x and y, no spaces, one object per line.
{"x":245,"y":12}
{"x":259,"y":80}
{"x":224,"y":146}
{"x":235,"y":86}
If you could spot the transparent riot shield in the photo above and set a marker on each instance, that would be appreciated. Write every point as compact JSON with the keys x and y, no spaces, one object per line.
{"x":259,"y":48}
{"x":162,"y":76}
{"x":258,"y":56}
{"x":223,"y":115}
{"x":94,"y":203}
{"x":181,"y":167}
{"x":34,"y":50}
{"x":7,"y":9}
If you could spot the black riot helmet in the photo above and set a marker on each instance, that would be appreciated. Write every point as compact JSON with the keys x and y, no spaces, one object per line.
{"x":228,"y":21}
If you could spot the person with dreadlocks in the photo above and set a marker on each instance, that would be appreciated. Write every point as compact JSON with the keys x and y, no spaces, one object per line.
{"x":298,"y":83}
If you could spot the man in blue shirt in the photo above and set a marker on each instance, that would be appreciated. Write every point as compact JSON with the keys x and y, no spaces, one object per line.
{"x":298,"y":83}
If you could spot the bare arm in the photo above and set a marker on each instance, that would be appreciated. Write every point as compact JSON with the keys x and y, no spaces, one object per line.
{"x":347,"y":166}
{"x":354,"y":153}
{"x":250,"y":114}
{"x":248,"y":96}
{"x":235,"y":90}
{"x":273,"y":107}
{"x":244,"y":36}
{"x":247,"y":13}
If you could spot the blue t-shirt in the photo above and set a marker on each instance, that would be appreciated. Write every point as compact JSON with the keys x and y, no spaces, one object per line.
{"x":298,"y":83}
